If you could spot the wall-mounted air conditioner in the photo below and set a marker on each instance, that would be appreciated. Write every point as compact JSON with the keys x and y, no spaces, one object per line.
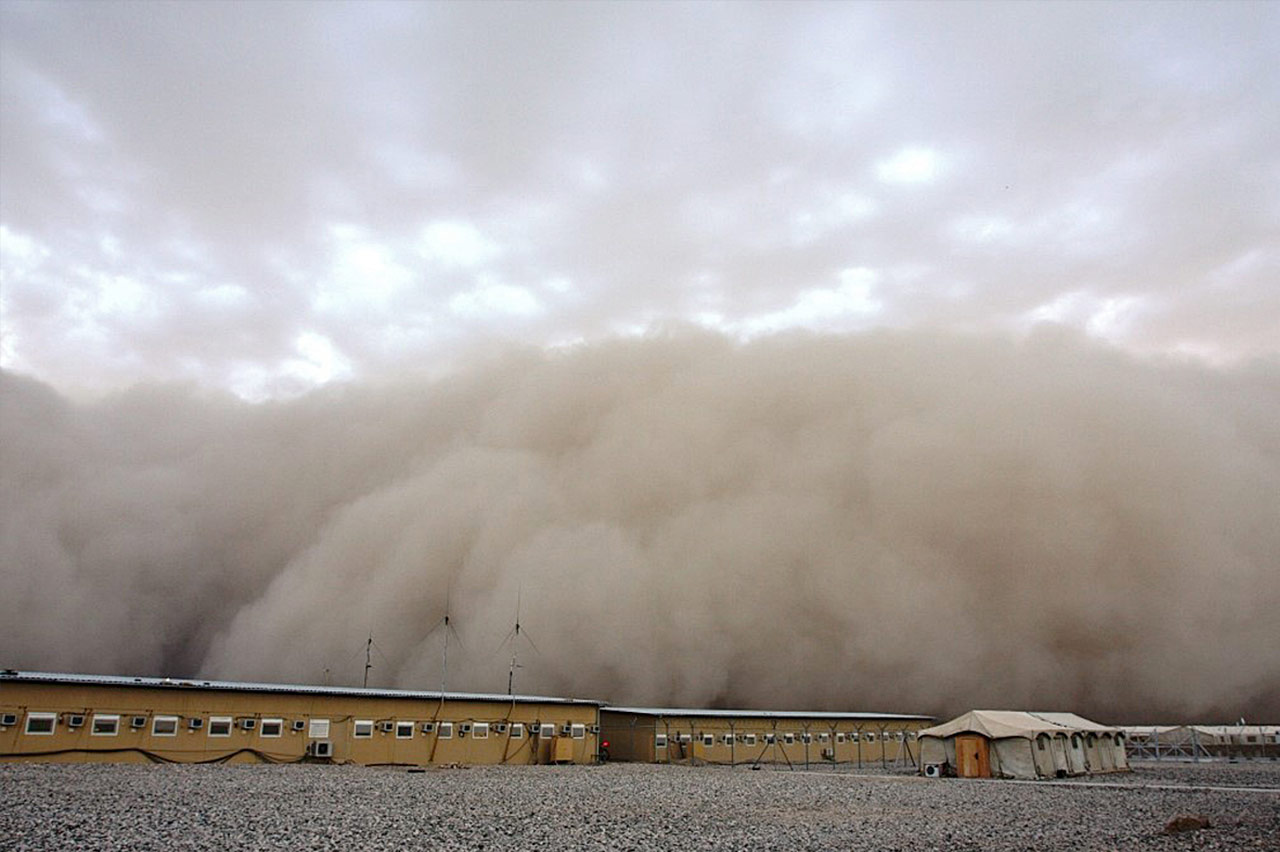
{"x":595,"y":729}
{"x":248,"y":724}
{"x":320,"y":748}
{"x":565,"y":730}
{"x":299,"y":724}
{"x":386,"y":727}
{"x":464,"y":729}
{"x":8,"y":720}
{"x":75,"y":720}
{"x":138,"y":722}
{"x":932,"y":770}
{"x":500,"y":727}
{"x":195,"y":723}
{"x":428,"y":727}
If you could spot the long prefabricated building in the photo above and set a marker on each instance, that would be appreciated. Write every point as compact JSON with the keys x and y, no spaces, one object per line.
{"x":69,"y":717}
{"x":731,"y":737}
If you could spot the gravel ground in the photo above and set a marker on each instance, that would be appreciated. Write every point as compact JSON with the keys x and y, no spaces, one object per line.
{"x":618,"y":806}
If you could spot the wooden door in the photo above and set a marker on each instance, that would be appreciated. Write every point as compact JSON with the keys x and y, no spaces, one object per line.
{"x":972,"y":759}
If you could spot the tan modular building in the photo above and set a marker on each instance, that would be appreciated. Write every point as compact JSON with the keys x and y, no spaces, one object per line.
{"x":68,"y":717}
{"x":733,"y":737}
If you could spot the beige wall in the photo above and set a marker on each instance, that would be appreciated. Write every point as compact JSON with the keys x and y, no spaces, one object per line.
{"x":632,"y":736}
{"x":66,"y":743}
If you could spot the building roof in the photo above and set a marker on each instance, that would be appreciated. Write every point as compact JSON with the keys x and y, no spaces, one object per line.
{"x":764,"y":714}
{"x":12,"y":676}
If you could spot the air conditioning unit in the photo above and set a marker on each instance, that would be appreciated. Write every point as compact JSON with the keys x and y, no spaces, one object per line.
{"x":299,"y":724}
{"x":595,"y":729}
{"x":386,"y":727}
{"x":565,"y":730}
{"x":428,"y":727}
{"x":464,"y":729}
{"x":500,"y":727}
{"x":248,"y":724}
{"x":75,"y":720}
{"x":195,"y":724}
{"x":8,"y":720}
{"x":933,"y":770}
{"x":138,"y":722}
{"x":320,"y":748}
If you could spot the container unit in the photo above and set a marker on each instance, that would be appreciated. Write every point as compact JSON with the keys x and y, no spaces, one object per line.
{"x":735,"y":737}
{"x":67,"y":717}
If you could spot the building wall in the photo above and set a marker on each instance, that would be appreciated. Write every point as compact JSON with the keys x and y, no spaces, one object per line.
{"x":396,"y":728}
{"x":753,"y":739}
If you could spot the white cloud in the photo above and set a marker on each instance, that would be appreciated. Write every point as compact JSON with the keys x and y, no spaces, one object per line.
{"x":456,"y":244}
{"x":495,"y":301}
{"x":910,"y":165}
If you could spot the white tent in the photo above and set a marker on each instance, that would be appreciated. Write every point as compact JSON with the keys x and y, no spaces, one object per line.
{"x":1019,"y":744}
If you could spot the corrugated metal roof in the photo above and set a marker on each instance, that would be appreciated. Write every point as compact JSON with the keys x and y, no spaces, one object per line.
{"x":10,"y":676}
{"x":765,"y":714}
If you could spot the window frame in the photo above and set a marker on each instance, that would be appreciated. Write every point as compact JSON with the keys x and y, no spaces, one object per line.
{"x":113,"y":718}
{"x":402,"y":726}
{"x":277,"y":724}
{"x":40,"y":716}
{"x":516,"y":731}
{"x":546,"y":730}
{"x":318,"y":729}
{"x":479,"y":730}
{"x":444,"y":730}
{"x":156,"y":722}
{"x":361,"y":729}
{"x":216,"y":722}
{"x":578,"y":731}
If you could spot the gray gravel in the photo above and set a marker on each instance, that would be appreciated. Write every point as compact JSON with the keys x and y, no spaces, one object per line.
{"x":109,"y":807}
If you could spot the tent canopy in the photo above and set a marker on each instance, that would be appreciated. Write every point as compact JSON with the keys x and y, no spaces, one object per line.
{"x":999,"y":724}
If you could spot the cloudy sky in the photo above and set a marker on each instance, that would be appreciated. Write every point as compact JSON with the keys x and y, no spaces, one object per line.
{"x":739,"y":344}
{"x":264,"y":197}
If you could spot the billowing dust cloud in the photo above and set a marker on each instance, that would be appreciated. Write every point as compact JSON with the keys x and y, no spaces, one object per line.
{"x":895,"y":521}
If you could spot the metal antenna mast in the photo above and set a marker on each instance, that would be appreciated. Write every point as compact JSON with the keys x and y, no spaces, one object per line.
{"x":368,"y":659}
{"x":514,"y":638}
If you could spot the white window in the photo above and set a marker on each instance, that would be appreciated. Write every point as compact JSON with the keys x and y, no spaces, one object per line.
{"x":445,"y":730}
{"x":839,"y":738}
{"x":517,"y":730}
{"x":708,"y":739}
{"x":104,"y":725}
{"x":480,"y":730}
{"x":41,"y":724}
{"x":318,"y":729}
{"x":164,"y":726}
{"x":578,"y":732}
{"x":271,"y":728}
{"x":659,"y":740}
{"x":220,"y":726}
{"x":404,"y":730}
{"x":363,"y":729}
{"x":546,"y":731}
{"x":749,"y":739}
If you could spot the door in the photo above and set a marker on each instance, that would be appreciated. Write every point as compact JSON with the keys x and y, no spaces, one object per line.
{"x":972,"y":759}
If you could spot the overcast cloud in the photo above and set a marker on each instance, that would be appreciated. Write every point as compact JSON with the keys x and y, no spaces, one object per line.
{"x":874,"y":356}
{"x":267,"y":196}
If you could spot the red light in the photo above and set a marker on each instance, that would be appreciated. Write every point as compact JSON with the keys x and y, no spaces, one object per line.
{"x":604,"y":744}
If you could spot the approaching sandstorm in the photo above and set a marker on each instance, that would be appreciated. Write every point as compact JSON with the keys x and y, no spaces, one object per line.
{"x":904,"y":521}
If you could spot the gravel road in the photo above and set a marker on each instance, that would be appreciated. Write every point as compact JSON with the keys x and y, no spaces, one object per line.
{"x":619,"y":806}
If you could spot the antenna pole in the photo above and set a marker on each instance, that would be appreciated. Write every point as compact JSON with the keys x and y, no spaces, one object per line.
{"x":368,"y":659}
